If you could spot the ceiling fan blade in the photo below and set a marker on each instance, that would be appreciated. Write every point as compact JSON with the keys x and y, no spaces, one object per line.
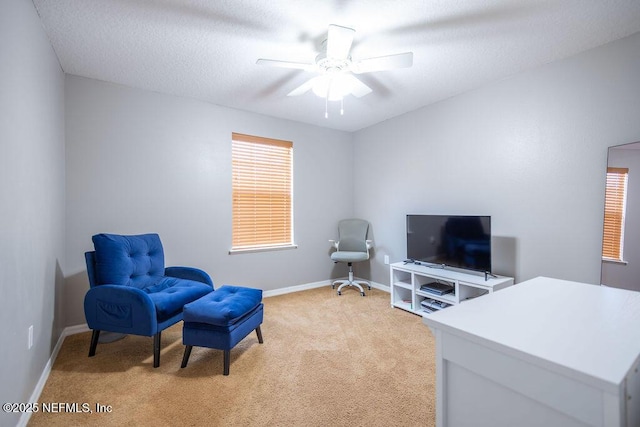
{"x":339,"y":40}
{"x":285,"y":64}
{"x":303,"y":88}
{"x":358,"y":89}
{"x":382,"y":63}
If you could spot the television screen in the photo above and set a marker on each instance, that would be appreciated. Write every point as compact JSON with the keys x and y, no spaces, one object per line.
{"x":454,"y":241}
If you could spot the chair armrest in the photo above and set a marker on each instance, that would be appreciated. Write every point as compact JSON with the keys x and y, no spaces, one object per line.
{"x":369,"y":244}
{"x":189,"y":273}
{"x":118,"y":308}
{"x":335,"y":243}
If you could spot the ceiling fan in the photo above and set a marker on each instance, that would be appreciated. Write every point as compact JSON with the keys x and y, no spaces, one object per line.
{"x":336,"y":68}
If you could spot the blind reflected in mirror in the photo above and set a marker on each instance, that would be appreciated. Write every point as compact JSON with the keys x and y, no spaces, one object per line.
{"x":621,"y":229}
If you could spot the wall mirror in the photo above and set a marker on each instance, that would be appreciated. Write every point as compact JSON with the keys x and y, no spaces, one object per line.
{"x":621,"y":238}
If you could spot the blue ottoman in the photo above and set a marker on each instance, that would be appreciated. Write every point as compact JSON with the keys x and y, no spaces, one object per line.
{"x":221,"y":319}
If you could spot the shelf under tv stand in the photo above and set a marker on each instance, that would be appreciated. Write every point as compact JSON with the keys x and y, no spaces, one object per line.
{"x":407,"y":278}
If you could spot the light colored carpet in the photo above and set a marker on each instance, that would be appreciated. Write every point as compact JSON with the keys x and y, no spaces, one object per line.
{"x":326,"y":360}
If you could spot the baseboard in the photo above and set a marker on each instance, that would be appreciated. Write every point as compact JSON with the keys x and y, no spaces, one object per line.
{"x":71,"y":330}
{"x":307,"y":286}
{"x":77,"y":329}
{"x":380,"y":286}
{"x":297,"y":288}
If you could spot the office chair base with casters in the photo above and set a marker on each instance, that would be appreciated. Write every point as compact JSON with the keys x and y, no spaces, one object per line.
{"x":350,"y":282}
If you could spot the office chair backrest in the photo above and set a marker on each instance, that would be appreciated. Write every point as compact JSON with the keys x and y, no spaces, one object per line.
{"x":352,"y":234}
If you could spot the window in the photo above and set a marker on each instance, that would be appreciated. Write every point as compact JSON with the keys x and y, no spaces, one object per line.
{"x":615,"y":200}
{"x":262,"y":192}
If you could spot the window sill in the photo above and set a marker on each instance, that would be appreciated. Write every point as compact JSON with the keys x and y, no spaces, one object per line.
{"x":262,"y":249}
{"x":614,"y":261}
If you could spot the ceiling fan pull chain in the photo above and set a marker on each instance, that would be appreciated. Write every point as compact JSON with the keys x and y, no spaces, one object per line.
{"x":326,"y":111}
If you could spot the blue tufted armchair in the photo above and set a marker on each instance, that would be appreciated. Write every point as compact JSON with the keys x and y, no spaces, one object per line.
{"x":132,"y":292}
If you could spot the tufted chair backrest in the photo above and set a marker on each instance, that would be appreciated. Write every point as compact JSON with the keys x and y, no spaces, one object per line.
{"x":136,"y":261}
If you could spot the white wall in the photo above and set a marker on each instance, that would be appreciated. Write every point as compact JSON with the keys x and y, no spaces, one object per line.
{"x":530,"y":151}
{"x":31,"y":200}
{"x":627,"y":275}
{"x":139,"y":161}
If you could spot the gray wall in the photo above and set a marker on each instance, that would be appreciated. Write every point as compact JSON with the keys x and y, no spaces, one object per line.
{"x":32,"y":200}
{"x":139,"y":161}
{"x":530,"y":151}
{"x":627,"y":275}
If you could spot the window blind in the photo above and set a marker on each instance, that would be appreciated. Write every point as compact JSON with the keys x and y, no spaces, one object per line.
{"x":614,"y":211}
{"x":262,"y":192}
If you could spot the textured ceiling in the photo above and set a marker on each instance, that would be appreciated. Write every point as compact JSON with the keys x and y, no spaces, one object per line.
{"x":207,"y":49}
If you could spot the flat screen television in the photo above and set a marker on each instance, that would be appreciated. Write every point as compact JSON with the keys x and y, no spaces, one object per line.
{"x":450,"y":241}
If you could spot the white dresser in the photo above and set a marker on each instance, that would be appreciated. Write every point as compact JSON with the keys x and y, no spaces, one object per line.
{"x":545,"y":352}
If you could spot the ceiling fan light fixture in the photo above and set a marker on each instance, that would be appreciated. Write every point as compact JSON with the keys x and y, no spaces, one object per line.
{"x":332,"y":86}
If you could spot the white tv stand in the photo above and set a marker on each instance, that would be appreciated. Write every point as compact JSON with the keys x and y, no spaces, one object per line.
{"x":406,"y":279}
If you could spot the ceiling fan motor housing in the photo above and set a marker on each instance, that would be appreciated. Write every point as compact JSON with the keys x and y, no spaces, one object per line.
{"x":332,"y":65}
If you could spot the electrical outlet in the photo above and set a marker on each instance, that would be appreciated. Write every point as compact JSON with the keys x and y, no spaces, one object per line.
{"x":30,"y":337}
{"x":386,"y":259}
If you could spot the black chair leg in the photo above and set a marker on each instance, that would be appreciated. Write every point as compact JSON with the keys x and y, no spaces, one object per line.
{"x":227,"y":356}
{"x":156,"y":349}
{"x":259,"y":333}
{"x":94,"y":342}
{"x":185,"y":357}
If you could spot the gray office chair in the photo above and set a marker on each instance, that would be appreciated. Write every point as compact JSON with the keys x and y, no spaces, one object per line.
{"x":351,"y":247}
